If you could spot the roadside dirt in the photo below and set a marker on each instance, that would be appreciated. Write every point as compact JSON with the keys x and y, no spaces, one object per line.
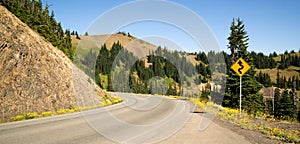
{"x":255,"y":136}
{"x":213,"y":134}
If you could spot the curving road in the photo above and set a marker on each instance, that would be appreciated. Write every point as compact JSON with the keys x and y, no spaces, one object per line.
{"x":139,"y":119}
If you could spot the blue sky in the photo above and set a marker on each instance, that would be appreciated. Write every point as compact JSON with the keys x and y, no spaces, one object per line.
{"x":271,"y":25}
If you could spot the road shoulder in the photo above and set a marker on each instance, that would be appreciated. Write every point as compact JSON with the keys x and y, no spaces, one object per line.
{"x":253,"y":136}
{"x":190,"y":134}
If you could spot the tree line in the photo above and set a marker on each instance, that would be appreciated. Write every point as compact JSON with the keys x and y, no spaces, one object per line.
{"x":43,"y":22}
{"x":262,"y":61}
{"x":292,"y":82}
{"x":289,"y":60}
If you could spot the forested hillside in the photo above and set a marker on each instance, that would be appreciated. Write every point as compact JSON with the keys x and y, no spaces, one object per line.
{"x":159,"y":63}
{"x":143,"y":69}
{"x":175,"y":73}
{"x":116,"y":67}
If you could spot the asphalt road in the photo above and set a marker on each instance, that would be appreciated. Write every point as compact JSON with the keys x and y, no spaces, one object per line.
{"x":139,"y":119}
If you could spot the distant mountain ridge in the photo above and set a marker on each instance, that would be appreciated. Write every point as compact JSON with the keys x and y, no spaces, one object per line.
{"x":132,"y":44}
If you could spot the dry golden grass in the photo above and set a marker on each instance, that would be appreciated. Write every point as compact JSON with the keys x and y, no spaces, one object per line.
{"x":277,"y":59}
{"x":273,"y":73}
{"x":192,"y":59}
{"x":289,"y":72}
{"x":137,"y":46}
{"x":109,"y":39}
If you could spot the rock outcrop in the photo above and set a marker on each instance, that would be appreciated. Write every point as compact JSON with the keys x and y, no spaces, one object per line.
{"x":35,"y":76}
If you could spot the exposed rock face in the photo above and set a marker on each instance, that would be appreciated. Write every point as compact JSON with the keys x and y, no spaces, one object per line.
{"x":34,"y":75}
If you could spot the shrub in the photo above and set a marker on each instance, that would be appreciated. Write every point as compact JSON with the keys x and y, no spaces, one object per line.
{"x":89,"y":80}
{"x":61,"y":112}
{"x":71,"y":106}
{"x":76,"y":109}
{"x":47,"y":113}
{"x":19,"y":117}
{"x":281,"y":134}
{"x":31,"y":115}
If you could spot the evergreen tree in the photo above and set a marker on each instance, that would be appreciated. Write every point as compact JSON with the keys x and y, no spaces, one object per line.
{"x":264,"y":79}
{"x":77,"y":36}
{"x":205,"y":93}
{"x":277,"y":104}
{"x":251,"y":99}
{"x":204,"y":80}
{"x":288,"y":110}
{"x":171,"y":90}
{"x":201,"y":56}
{"x":278,"y":79}
{"x":298,"y":116}
{"x":262,"y":61}
{"x":109,"y":83}
{"x":40,"y":20}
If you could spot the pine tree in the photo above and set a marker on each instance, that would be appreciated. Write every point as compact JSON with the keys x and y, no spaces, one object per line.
{"x":205,"y":93}
{"x":288,"y":108}
{"x":264,"y":78}
{"x":298,"y":116}
{"x":32,"y":13}
{"x":251,"y":99}
{"x":171,"y":90}
{"x":77,"y":36}
{"x":277,"y":105}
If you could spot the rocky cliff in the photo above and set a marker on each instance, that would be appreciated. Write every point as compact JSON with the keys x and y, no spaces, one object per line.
{"x":35,"y":76}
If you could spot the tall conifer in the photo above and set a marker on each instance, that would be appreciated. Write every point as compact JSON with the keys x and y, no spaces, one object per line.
{"x":251,"y":99}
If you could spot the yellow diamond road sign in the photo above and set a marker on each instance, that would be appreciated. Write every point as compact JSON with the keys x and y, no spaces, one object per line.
{"x":240,"y":67}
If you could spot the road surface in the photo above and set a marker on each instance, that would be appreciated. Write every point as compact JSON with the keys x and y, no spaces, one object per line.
{"x":139,"y":119}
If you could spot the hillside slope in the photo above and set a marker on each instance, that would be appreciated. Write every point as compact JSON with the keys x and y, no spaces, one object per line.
{"x":35,"y":76}
{"x":137,"y":46}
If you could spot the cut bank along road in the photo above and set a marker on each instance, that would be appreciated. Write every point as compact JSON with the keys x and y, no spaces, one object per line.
{"x":139,"y":119}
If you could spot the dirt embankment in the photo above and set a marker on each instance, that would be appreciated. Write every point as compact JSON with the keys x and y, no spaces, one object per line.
{"x":35,"y":76}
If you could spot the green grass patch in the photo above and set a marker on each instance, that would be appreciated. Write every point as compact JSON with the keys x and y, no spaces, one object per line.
{"x":103,"y":81}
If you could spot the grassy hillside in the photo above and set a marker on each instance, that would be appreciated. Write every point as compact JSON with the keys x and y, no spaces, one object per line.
{"x":132,"y":44}
{"x":273,"y":72}
{"x":277,"y":58}
{"x":288,"y":72}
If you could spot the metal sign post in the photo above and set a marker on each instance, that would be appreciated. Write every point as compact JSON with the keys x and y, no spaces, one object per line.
{"x":240,"y":67}
{"x":240,"y":96}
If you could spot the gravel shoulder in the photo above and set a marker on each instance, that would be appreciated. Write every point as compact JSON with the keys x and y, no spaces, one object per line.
{"x":213,"y":134}
{"x":253,"y":136}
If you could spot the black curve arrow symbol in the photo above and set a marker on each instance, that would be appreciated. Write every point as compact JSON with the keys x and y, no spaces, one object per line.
{"x":241,"y":66}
